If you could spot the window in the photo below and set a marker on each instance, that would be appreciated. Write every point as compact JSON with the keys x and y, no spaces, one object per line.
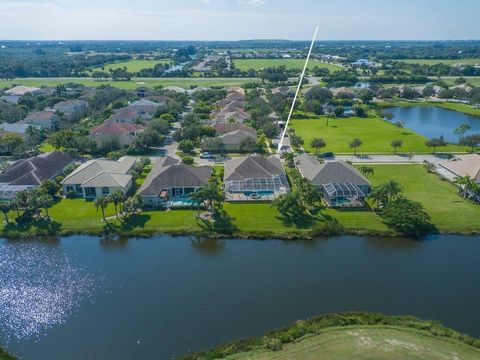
{"x":105,"y":191}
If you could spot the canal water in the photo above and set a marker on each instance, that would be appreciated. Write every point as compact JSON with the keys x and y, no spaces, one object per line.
{"x":82,"y":297}
{"x":432,"y":121}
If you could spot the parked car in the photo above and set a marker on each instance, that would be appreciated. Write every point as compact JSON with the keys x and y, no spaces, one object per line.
{"x":327,"y":155}
{"x":207,"y":155}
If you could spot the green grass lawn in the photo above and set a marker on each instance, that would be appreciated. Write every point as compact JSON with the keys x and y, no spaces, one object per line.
{"x":129,"y":85}
{"x":375,"y":133}
{"x":45,"y":147}
{"x":258,"y":64}
{"x":449,"y":212}
{"x":367,"y":342}
{"x":133,"y":65}
{"x":471,"y":61}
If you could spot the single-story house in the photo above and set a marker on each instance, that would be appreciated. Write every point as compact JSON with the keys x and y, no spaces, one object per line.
{"x":461,"y":165}
{"x":232,"y":135}
{"x":14,"y":94}
{"x":341,"y":184}
{"x":125,"y":133}
{"x":100,"y":177}
{"x":128,"y":115}
{"x":176,"y":89}
{"x":71,"y":108}
{"x":45,"y":119}
{"x":146,"y":108}
{"x":342,"y":91}
{"x":254,"y":178}
{"x":29,"y":173}
{"x":284,"y":90}
{"x":170,"y":183}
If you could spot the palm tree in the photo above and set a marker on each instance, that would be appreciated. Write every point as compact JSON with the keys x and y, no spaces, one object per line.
{"x":366,"y":170}
{"x":392,"y":189}
{"x":117,"y":199}
{"x":317,"y":143}
{"x":464,"y":183}
{"x":5,"y":207}
{"x":45,"y":201}
{"x":102,"y":203}
{"x":475,"y":188}
{"x":396,"y":144}
{"x":354,"y":144}
{"x":23,"y":199}
{"x":289,"y":158}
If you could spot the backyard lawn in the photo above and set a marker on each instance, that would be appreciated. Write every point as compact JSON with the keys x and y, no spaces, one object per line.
{"x":449,"y":212}
{"x":129,"y":85}
{"x":258,"y":64}
{"x":375,"y":133}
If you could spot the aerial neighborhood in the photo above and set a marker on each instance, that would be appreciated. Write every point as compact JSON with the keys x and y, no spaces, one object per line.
{"x":223,"y":150}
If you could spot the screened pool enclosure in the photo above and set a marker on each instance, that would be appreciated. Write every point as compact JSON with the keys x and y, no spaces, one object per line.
{"x":343,"y":195}
{"x":256,"y":189}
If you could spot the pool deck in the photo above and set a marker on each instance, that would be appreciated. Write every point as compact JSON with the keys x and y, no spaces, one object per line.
{"x":238,"y":197}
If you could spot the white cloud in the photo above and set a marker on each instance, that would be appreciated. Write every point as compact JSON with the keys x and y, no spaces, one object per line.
{"x":254,"y":2}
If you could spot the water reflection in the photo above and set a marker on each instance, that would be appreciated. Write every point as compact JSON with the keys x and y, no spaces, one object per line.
{"x":209,"y":247}
{"x":39,"y":287}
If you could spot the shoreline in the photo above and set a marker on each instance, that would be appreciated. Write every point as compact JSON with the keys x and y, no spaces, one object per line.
{"x":227,"y":236}
{"x":452,"y":106}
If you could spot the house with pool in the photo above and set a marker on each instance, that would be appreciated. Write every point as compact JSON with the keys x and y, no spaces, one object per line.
{"x":170,"y":183}
{"x":254,"y":178}
{"x":341,"y":184}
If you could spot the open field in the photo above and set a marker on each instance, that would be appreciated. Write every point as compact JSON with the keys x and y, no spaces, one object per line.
{"x":449,"y":212}
{"x":129,"y":85}
{"x":133,"y":65}
{"x":471,"y":61}
{"x":375,"y":133}
{"x":258,"y":64}
{"x":359,"y":342}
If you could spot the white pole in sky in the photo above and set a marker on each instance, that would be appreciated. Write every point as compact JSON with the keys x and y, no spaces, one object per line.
{"x":280,"y":144}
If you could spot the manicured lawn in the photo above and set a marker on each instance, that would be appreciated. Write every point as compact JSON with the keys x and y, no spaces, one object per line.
{"x":79,"y":214}
{"x":258,"y":64}
{"x":367,"y":343}
{"x":375,"y":133}
{"x":471,"y":61}
{"x":129,"y":85}
{"x":449,"y":212}
{"x":134,"y":65}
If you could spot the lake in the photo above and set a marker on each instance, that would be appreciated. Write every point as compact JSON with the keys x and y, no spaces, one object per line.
{"x":432,"y":121}
{"x":82,"y":297}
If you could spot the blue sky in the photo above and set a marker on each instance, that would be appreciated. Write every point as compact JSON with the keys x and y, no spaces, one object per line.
{"x":238,"y":19}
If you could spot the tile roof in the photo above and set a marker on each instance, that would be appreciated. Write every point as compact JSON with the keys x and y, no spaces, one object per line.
{"x":464,"y":165}
{"x":40,"y":115}
{"x":226,"y":128}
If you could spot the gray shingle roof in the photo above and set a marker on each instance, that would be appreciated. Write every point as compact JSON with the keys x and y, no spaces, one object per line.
{"x":252,"y":167}
{"x":34,"y":170}
{"x":328,"y":172}
{"x":165,"y":176}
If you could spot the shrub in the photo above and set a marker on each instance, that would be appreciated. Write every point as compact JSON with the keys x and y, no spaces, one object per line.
{"x":188,"y":160}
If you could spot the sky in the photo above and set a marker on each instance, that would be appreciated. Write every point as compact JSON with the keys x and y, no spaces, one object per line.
{"x":238,"y":19}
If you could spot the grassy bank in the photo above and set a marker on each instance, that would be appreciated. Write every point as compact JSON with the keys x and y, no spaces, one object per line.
{"x":129,"y":85}
{"x":375,"y":133}
{"x":353,"y":336}
{"x":463,"y":108}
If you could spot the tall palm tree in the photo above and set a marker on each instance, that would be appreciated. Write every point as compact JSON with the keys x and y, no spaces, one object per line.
{"x":393,"y":189}
{"x":366,"y":170}
{"x":475,"y":188}
{"x":464,"y":183}
{"x":102,"y":203}
{"x":5,"y":207}
{"x":117,"y":199}
{"x":45,"y":201}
